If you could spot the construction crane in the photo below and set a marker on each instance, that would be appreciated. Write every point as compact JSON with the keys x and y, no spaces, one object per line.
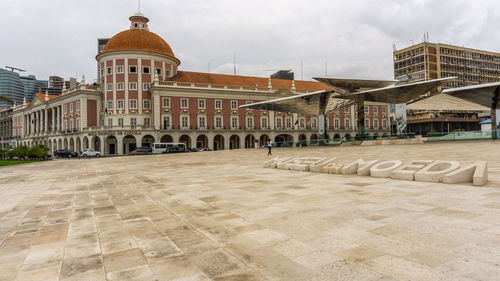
{"x":15,"y":68}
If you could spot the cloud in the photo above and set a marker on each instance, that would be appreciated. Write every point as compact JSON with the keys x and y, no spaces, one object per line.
{"x":354,"y":38}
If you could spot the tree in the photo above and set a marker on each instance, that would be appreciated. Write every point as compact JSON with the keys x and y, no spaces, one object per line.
{"x":21,"y":151}
{"x":3,"y":153}
{"x":6,"y":99}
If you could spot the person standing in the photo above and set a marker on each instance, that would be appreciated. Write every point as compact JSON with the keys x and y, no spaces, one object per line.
{"x":269,"y":146}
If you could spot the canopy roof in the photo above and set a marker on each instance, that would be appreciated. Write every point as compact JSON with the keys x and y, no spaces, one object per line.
{"x":481,"y":94}
{"x":322,"y":102}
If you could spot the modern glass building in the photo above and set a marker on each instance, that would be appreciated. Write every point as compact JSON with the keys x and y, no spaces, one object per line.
{"x":18,"y":87}
{"x":11,"y":86}
{"x":32,"y":86}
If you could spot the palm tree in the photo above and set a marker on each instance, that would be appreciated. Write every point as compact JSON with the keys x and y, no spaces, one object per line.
{"x":6,"y":99}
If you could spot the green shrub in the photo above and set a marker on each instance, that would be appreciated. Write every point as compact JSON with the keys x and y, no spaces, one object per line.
{"x":433,"y":132}
{"x":21,"y":151}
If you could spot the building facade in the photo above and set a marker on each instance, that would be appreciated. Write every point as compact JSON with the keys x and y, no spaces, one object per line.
{"x":426,"y":61}
{"x":141,"y":97}
{"x":17,"y":87}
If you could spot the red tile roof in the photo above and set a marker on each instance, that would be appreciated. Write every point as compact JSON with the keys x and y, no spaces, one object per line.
{"x":51,"y":97}
{"x":249,"y":81}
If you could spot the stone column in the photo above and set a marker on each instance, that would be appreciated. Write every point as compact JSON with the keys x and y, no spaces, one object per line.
{"x":53,"y":119}
{"x":119,"y":144}
{"x":46,"y":124}
{"x":156,"y":111}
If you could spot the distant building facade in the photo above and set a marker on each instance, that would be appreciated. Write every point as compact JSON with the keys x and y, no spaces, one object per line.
{"x":427,"y":61}
{"x":141,"y":97}
{"x":18,"y":87}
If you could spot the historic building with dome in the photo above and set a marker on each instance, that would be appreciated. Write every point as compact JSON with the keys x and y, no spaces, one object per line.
{"x":141,"y":98}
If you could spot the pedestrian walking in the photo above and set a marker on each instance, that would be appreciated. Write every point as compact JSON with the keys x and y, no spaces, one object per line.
{"x":269,"y":146}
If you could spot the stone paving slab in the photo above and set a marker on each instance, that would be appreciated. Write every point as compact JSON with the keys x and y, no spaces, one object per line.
{"x":222,"y":216}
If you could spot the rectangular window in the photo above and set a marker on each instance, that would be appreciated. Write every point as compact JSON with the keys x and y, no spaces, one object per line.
{"x":145,"y":69}
{"x":314,"y":123}
{"x":218,"y":122}
{"x":201,"y":122}
{"x":375,"y":123}
{"x":264,"y":123}
{"x":218,"y":104}
{"x":375,"y":109}
{"x":166,"y":122}
{"x":367,"y":123}
{"x":133,"y":104}
{"x":71,"y":124}
{"x":184,"y":103}
{"x":120,"y":122}
{"x":347,"y":109}
{"x":119,"y":69}
{"x":133,"y":121}
{"x":102,"y":72}
{"x":146,"y":86}
{"x":347,"y":123}
{"x":289,"y":123}
{"x":168,"y":73}
{"x":120,"y":104}
{"x":110,"y":105}
{"x":146,"y":104}
{"x":110,"y":87}
{"x":77,"y":124}
{"x":384,"y":122}
{"x":302,"y":123}
{"x":366,"y":109}
{"x":249,"y":102}
{"x":166,"y":102}
{"x":109,"y":70}
{"x":184,"y":122}
{"x":336,"y":123}
{"x":119,"y":86}
{"x":158,"y":71}
{"x":110,"y":122}
{"x":384,"y":109}
{"x":77,"y":106}
{"x":201,"y":103}
{"x":71,"y":107}
{"x":278,"y":123}
{"x":133,"y":86}
{"x":65,"y":108}
{"x":132,"y":69}
{"x":234,"y":123}
{"x":147,"y":122}
{"x":234,"y":104}
{"x":249,"y":122}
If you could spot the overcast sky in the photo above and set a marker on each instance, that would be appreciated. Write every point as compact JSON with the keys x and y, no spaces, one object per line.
{"x":354,"y":38}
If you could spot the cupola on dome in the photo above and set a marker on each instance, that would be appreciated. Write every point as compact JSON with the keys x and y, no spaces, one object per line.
{"x":138,"y":38}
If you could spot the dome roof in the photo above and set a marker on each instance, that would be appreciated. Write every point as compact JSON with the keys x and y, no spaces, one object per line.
{"x":138,"y":40}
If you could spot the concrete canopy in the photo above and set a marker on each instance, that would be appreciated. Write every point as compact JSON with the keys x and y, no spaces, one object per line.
{"x":482,"y":94}
{"x":317,"y":103}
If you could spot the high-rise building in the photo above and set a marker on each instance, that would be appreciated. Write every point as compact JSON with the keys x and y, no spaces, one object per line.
{"x":56,"y":84}
{"x":11,"y":86}
{"x":32,"y":86}
{"x":442,"y":113}
{"x":101,"y":42}
{"x":435,"y":60}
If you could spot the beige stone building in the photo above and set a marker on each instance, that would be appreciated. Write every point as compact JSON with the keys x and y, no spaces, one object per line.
{"x":427,"y":61}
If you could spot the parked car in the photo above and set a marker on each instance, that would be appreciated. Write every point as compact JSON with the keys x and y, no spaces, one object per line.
{"x":196,"y":149}
{"x":141,"y":151}
{"x":90,"y":153}
{"x":177,"y":149}
{"x":64,"y":153}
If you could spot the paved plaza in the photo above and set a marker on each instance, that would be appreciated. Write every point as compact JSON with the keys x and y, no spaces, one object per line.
{"x":222,"y":216}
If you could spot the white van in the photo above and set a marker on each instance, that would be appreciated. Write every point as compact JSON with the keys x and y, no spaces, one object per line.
{"x":168,"y":147}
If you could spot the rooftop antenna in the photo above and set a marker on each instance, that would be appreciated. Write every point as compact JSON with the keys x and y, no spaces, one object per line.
{"x":208,"y":67}
{"x":139,"y":5}
{"x":326,"y":69}
{"x":234,"y":63}
{"x":301,"y":71}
